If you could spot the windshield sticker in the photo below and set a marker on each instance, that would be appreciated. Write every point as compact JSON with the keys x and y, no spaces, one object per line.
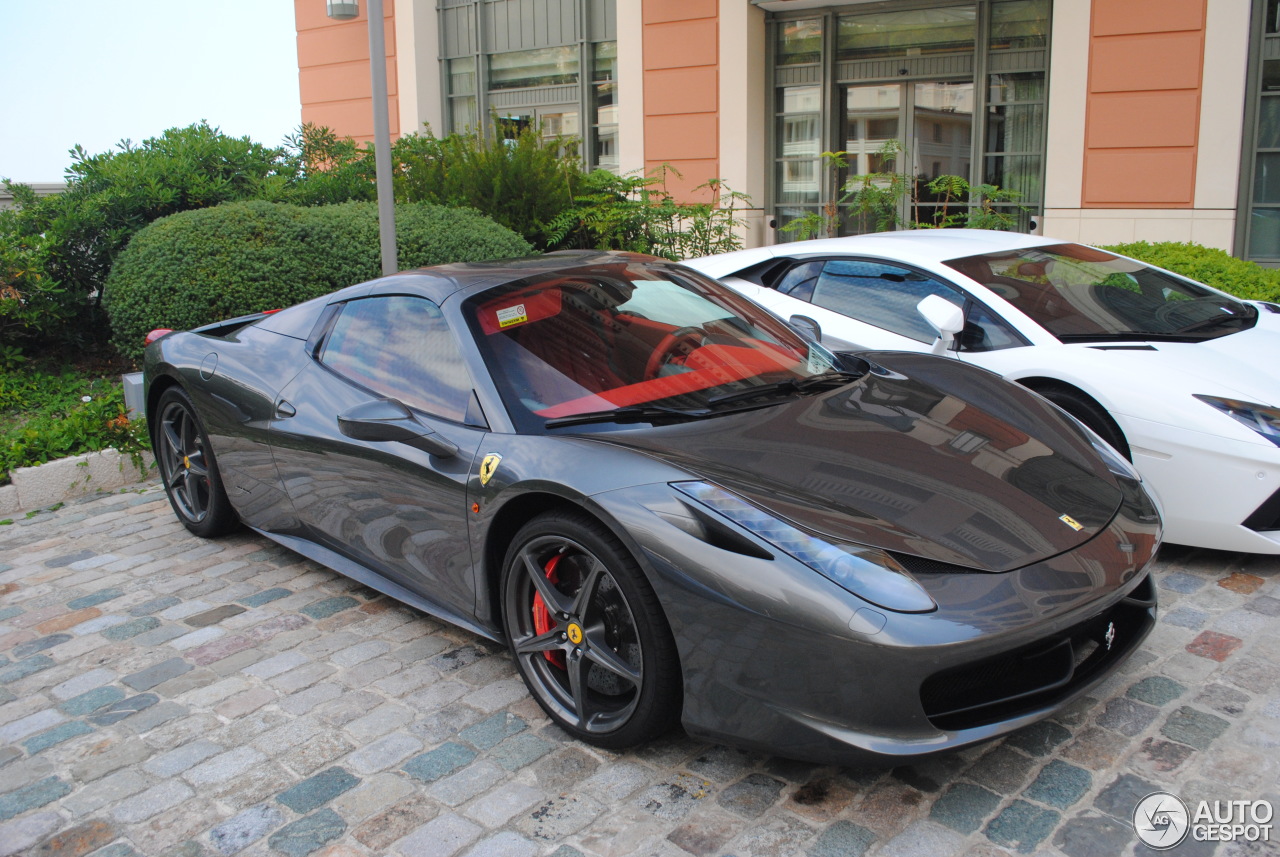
{"x":512,"y":315}
{"x":819,"y":360}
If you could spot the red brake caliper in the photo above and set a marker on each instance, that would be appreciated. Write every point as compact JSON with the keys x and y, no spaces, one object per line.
{"x":542,"y":616}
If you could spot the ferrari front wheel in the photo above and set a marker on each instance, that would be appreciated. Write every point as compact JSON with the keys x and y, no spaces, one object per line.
{"x":587,"y":632}
{"x":188,"y":468}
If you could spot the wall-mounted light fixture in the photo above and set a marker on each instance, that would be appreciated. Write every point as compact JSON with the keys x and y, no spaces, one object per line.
{"x":343,"y":10}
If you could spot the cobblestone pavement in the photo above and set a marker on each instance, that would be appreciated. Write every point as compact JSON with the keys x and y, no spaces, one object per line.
{"x":163,"y":695}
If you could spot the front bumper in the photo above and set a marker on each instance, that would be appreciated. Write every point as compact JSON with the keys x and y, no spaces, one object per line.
{"x":776,"y":657}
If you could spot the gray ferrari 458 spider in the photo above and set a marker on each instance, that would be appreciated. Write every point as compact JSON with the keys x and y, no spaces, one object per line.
{"x":670,"y":505}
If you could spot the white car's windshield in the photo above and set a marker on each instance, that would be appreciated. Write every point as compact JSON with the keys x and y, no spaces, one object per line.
{"x":1083,"y":293}
{"x":631,"y":335}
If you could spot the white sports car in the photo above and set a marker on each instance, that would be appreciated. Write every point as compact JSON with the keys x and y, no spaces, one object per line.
{"x":1179,"y":377}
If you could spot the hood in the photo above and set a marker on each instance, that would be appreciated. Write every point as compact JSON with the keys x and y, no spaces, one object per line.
{"x":1243,"y":362}
{"x":907,"y":460}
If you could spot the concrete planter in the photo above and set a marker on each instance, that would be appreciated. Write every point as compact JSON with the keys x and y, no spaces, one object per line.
{"x":80,"y":475}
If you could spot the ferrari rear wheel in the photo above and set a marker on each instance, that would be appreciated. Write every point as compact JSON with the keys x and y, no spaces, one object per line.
{"x":587,"y":632}
{"x":188,"y":468}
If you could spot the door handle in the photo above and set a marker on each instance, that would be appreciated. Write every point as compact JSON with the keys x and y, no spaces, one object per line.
{"x":284,"y":410}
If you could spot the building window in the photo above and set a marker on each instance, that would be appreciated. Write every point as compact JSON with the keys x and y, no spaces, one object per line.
{"x":1258,"y":229}
{"x":961,"y":87}
{"x":462,"y":93}
{"x":604,"y":105}
{"x":551,"y":77}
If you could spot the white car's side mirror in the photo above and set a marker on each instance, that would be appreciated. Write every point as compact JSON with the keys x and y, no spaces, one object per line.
{"x":809,"y":329}
{"x":945,"y":317}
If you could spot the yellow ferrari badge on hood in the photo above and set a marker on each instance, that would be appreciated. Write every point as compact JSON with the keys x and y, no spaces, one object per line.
{"x":1066,"y":519}
{"x":488,"y":467}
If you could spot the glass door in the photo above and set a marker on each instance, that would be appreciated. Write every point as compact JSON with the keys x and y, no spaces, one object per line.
{"x":871,"y":137}
{"x":941,"y":144}
{"x":898,"y":138}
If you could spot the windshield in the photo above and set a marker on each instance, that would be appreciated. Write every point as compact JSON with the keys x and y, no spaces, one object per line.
{"x":1082,"y":293}
{"x":631,"y":335}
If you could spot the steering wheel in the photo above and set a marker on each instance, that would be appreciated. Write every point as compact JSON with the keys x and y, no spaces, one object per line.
{"x":669,"y":349}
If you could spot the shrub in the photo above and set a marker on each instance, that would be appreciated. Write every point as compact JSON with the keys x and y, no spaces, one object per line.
{"x":873,"y":202}
{"x":33,"y":307}
{"x":110,"y":196}
{"x":325,"y":169}
{"x":1214,"y":267}
{"x":43,"y":417}
{"x":522,"y":180}
{"x":198,"y":267}
{"x":637,"y":213}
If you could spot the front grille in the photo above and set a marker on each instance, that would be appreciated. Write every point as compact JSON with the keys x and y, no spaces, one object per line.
{"x":1266,"y":516}
{"x":1040,"y":674}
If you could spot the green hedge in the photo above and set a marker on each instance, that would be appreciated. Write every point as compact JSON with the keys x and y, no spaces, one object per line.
{"x":201,"y":266}
{"x":1216,"y":268}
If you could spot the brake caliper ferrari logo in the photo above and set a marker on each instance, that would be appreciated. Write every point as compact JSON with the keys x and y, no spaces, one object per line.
{"x":488,"y":467}
{"x":575,"y":633}
{"x":186,"y":462}
{"x":1071,"y":522}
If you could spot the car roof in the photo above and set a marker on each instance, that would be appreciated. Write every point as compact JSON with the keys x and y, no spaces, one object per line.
{"x":921,"y":246}
{"x":440,"y":281}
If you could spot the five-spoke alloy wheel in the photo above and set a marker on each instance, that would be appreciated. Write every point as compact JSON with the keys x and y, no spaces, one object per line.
{"x":587,"y":632}
{"x":188,"y":468}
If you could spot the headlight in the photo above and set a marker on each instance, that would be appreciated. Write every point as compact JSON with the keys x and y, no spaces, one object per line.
{"x":1262,"y":419}
{"x":870,"y":574}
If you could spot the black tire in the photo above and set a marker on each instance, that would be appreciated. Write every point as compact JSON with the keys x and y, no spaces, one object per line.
{"x":604,"y":665}
{"x":189,"y":469}
{"x":1086,"y":410}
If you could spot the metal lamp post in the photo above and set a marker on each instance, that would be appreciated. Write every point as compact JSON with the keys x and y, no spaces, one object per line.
{"x":342,"y":10}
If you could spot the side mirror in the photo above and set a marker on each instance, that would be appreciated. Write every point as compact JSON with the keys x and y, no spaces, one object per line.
{"x":809,"y":329}
{"x":387,"y":420}
{"x":945,"y":317}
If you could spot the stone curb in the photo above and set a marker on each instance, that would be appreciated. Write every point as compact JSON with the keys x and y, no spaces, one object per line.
{"x":67,"y":478}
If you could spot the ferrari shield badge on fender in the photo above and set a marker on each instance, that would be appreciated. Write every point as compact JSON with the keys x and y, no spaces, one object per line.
{"x":1066,"y":519}
{"x":488,"y":467}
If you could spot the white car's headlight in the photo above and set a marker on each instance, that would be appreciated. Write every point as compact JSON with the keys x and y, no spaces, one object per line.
{"x":868,"y":573}
{"x":1261,"y":418}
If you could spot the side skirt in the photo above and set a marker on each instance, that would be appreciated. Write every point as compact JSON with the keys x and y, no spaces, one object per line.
{"x":360,"y":574}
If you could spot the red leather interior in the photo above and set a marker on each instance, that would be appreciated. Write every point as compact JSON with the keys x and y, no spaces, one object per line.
{"x":712,"y":365}
{"x":582,"y":340}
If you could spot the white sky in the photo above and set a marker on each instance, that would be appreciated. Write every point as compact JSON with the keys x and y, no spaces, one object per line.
{"x":95,"y":72}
